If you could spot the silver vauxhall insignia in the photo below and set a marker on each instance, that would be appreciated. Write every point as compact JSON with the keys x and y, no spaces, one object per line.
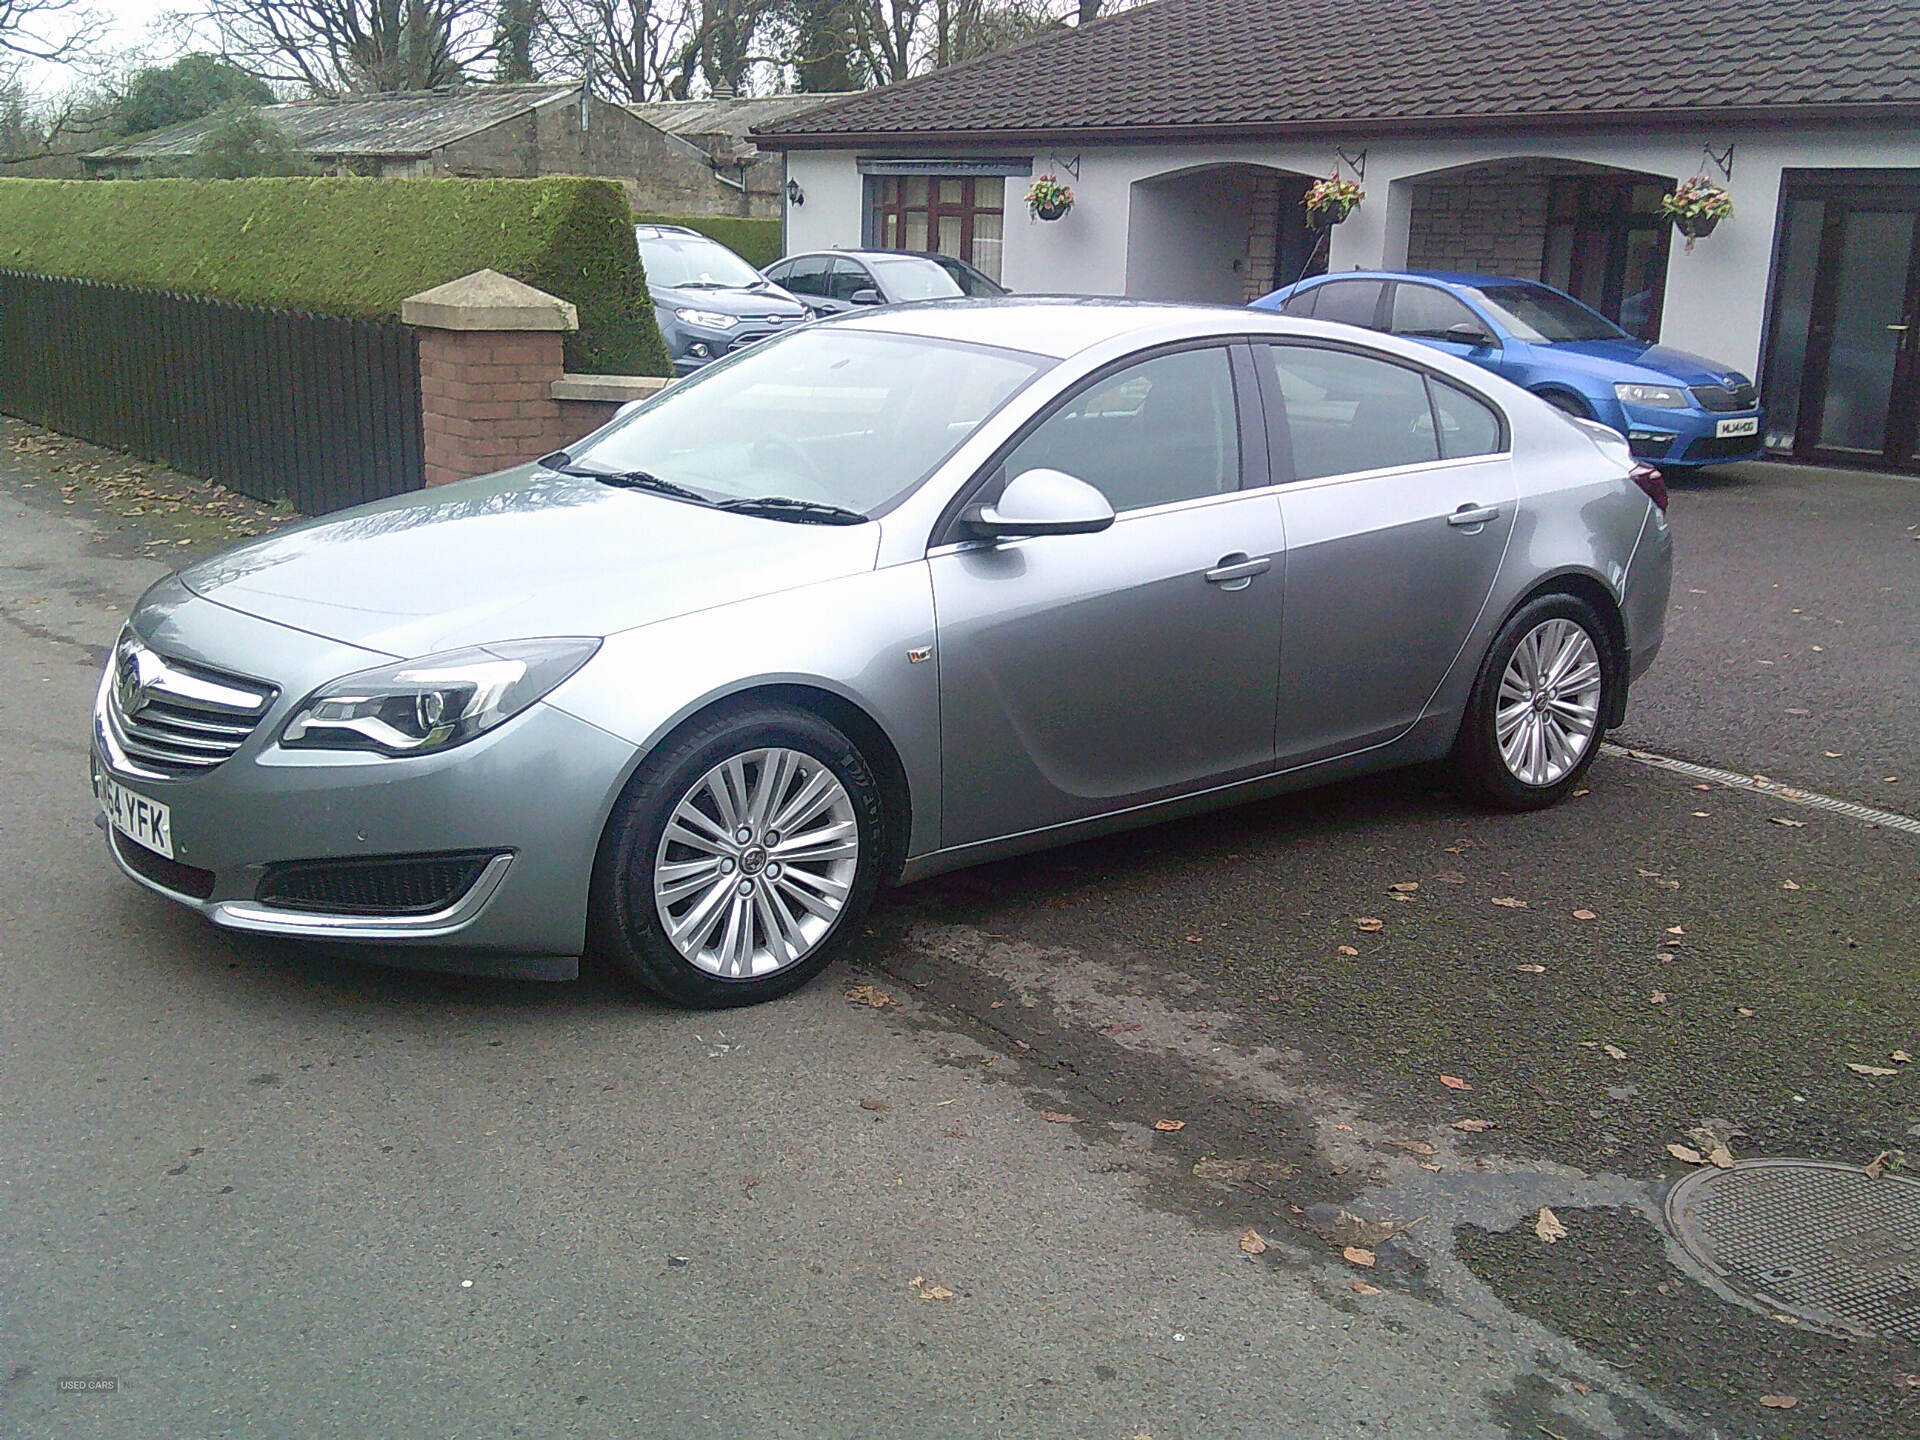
{"x":880,"y":597}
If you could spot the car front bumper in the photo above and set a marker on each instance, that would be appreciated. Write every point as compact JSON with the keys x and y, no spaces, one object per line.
{"x":525,"y":802}
{"x":1684,"y":439}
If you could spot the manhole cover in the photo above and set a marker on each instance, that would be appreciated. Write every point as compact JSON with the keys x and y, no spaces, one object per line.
{"x":1825,"y":1243}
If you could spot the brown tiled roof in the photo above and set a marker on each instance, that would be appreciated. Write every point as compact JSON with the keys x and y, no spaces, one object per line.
{"x":1224,"y":66}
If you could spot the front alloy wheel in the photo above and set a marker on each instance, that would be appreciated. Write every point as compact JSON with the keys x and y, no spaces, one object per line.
{"x":741,"y":855}
{"x":1534,"y":722}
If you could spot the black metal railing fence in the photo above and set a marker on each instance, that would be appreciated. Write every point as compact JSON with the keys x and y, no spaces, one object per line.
{"x":319,"y":410}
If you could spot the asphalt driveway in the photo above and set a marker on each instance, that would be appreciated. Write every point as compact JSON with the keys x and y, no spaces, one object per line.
{"x":1083,"y":1174}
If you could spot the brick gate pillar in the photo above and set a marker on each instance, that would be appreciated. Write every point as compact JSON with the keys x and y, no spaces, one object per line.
{"x":491,"y":350}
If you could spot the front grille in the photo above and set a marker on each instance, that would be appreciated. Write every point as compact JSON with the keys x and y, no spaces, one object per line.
{"x":177,"y":719}
{"x":188,"y":880}
{"x":751,"y":337}
{"x":377,"y":885}
{"x":1730,"y":447}
{"x":1721,"y":399}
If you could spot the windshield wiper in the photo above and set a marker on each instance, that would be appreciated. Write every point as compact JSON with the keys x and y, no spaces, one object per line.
{"x":623,"y":479}
{"x":785,"y":507}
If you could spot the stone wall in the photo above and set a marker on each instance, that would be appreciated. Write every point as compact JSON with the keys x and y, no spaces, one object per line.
{"x":1495,"y":226}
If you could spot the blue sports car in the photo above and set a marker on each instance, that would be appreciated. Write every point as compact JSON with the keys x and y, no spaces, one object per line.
{"x":1677,"y":410}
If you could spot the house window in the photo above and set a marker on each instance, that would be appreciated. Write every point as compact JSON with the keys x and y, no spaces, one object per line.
{"x":962,"y":216}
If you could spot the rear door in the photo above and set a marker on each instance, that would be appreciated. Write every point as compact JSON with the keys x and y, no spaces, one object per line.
{"x":1398,"y":500}
{"x":1083,"y":674}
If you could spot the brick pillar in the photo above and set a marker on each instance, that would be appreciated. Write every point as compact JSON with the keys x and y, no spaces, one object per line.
{"x":490,"y":352}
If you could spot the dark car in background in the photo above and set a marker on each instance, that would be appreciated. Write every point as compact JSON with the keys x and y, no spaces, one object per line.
{"x":709,"y":301}
{"x":1677,"y":409}
{"x":831,"y":282}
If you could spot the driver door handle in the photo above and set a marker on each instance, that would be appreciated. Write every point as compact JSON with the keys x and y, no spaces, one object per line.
{"x":1474,"y":515}
{"x":1236,"y":571}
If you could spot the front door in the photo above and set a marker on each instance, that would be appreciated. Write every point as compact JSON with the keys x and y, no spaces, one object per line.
{"x":1083,"y":674}
{"x":1843,"y":372}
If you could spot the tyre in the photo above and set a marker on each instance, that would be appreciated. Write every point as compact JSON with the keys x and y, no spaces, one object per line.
{"x":739,"y":859}
{"x":1534,"y":722}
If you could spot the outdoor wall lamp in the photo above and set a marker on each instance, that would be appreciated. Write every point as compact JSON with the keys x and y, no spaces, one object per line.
{"x":795,"y":194}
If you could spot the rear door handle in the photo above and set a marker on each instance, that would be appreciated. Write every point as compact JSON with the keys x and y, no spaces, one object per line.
{"x":1474,"y":515}
{"x":1236,"y":571}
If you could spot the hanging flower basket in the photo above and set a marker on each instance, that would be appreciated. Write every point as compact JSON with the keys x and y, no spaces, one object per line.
{"x":1331,"y":200}
{"x":1695,"y":207}
{"x":1048,"y":199}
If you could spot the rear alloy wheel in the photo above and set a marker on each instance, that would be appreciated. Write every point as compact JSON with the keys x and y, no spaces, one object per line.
{"x":738,"y":860}
{"x":1534,"y":725}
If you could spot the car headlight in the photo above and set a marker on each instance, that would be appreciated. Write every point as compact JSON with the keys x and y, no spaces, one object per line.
{"x":707,"y":319}
{"x":1655,"y":397}
{"x":421,"y":706}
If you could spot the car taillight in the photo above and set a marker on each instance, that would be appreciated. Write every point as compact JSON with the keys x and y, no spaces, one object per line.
{"x":1651,"y":481}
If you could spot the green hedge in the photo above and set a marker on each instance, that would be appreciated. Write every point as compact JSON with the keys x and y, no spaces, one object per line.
{"x":755,"y":241}
{"x":349,"y":247}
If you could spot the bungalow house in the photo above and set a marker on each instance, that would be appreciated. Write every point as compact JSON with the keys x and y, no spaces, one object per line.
{"x":489,"y":132}
{"x":1525,"y":137}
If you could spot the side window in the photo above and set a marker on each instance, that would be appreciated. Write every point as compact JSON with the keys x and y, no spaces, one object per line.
{"x":1352,"y":302}
{"x":1345,"y":413}
{"x":849,"y":278}
{"x":807,"y":276}
{"x":1301,"y":301}
{"x":1160,"y":431}
{"x":1468,"y":426}
{"x":1424,"y":313}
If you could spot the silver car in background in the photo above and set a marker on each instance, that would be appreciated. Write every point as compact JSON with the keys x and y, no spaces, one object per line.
{"x":892,"y":594}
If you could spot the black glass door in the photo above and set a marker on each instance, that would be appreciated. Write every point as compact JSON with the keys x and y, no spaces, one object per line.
{"x":1843,"y":371}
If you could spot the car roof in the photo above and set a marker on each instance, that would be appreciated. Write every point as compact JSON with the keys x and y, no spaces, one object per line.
{"x":1063,"y":325}
{"x":669,"y":230}
{"x":1445,"y":277}
{"x":857,"y":255}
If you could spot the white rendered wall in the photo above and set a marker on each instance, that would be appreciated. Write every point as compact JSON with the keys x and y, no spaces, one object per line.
{"x":1119,"y":239}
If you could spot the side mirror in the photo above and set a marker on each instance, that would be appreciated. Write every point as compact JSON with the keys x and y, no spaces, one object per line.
{"x":1470,"y":334}
{"x":1041,"y":502}
{"x":868,"y":296}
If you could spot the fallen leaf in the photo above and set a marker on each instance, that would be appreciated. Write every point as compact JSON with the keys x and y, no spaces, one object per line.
{"x":1781,"y":820}
{"x":1831,"y":754}
{"x":1870,"y":1069}
{"x":1119,"y":1028}
{"x":1532,"y":969}
{"x":1058,"y":1117}
{"x":1702,"y":814}
{"x":1901,"y":1057}
{"x":1703,"y":787}
{"x":1676,"y":930}
{"x":1877,"y":1166}
{"x":1779,"y":1402}
{"x":869,"y":995}
{"x":1359,"y":1255}
{"x":1686,"y":1155}
{"x":873,"y":1104}
{"x":1169,"y":1124}
{"x":1474,"y":1127}
{"x":1454,"y":1082}
{"x":1585,"y":915}
{"x":1451,"y":877}
{"x":1348,"y":950}
{"x":1658,"y":997}
{"x":1360,"y":1287}
{"x":1580,"y":1389}
{"x":1578,"y":793}
{"x":1404,"y":887}
{"x":1252,"y":1244}
{"x":1414,"y":1147}
{"x":1788,"y":885}
{"x":1509,"y":902}
{"x":1369,"y":924}
{"x":1407,"y":898}
{"x":1663,"y":955}
{"x":1743,"y":1010}
{"x":1720,"y":1158}
{"x":996,"y":1004}
{"x":1548,"y":1227}
{"x":1615,"y":1051}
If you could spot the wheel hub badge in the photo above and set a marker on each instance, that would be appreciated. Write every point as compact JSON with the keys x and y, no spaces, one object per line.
{"x":753,"y":861}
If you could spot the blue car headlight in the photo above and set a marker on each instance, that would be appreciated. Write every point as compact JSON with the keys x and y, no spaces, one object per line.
{"x":418,"y":707}
{"x":1653,"y":397}
{"x":706,"y":319}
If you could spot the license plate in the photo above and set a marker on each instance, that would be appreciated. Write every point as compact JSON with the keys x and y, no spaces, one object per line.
{"x":1744,"y":425}
{"x":143,"y":821}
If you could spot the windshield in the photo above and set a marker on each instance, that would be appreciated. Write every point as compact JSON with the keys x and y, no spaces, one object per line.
{"x":693,"y":261}
{"x":835,"y":416}
{"x":911,"y":278}
{"x":1540,"y":316}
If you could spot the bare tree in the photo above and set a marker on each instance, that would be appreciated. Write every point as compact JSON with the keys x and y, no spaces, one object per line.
{"x":335,"y":46}
{"x":48,"y":29}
